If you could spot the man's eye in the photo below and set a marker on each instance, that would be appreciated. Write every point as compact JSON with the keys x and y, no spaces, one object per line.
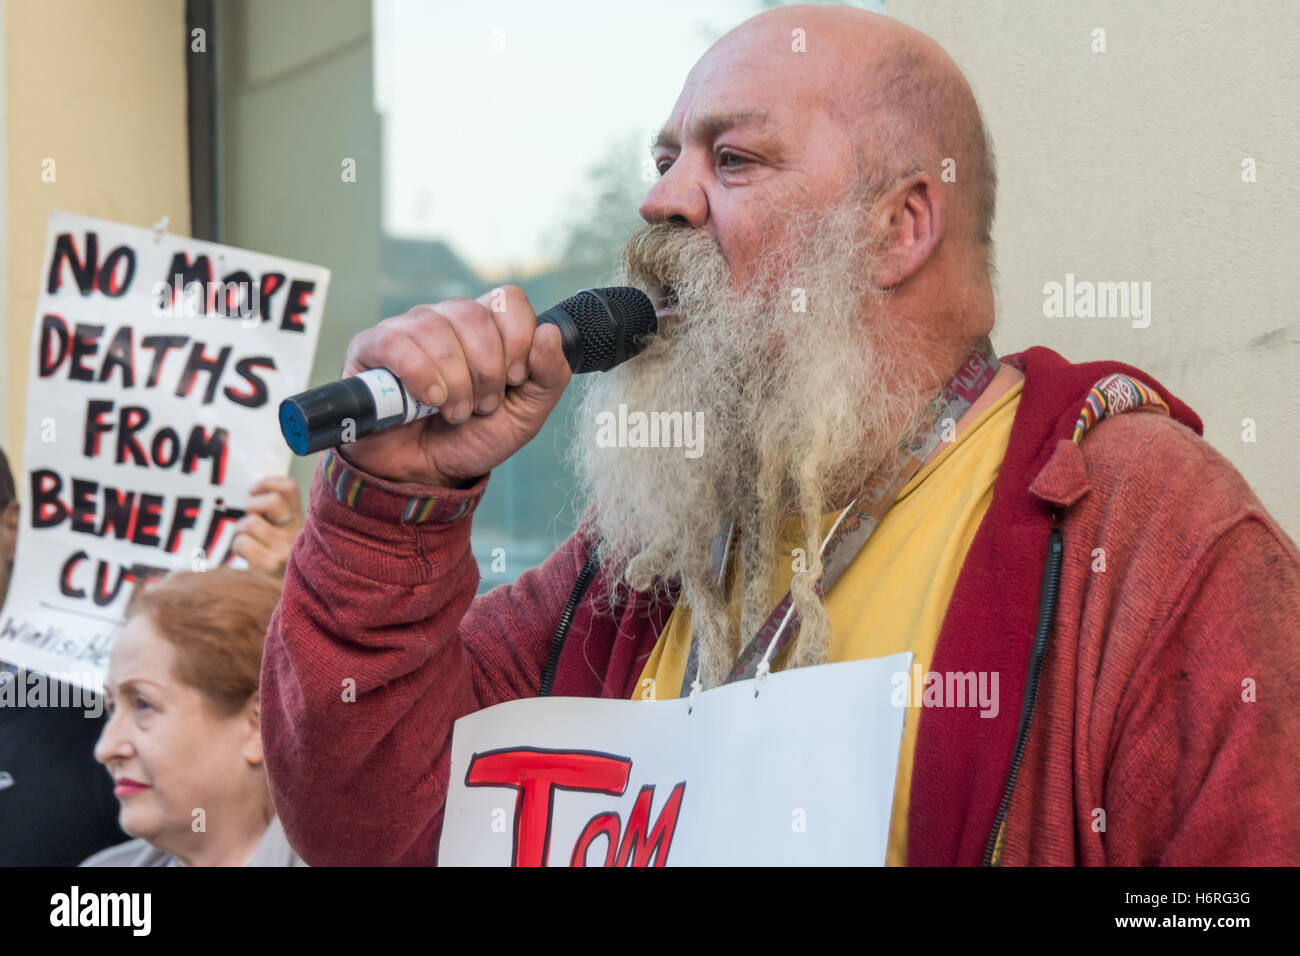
{"x":142,"y":704}
{"x":665,"y":164}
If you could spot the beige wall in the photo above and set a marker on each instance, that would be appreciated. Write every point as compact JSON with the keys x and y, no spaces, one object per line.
{"x":100,"y":88}
{"x":1126,"y":165}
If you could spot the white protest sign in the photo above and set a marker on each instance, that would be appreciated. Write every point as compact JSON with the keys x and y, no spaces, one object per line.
{"x":158,"y":364}
{"x":801,"y":774}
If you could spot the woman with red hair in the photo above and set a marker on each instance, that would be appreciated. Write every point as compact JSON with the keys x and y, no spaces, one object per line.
{"x":183,"y":739}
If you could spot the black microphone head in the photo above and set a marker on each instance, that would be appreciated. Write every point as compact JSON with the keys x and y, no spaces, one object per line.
{"x":613,"y":325}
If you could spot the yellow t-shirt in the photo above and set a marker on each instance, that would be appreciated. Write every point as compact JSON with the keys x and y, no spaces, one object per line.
{"x":893,"y":595}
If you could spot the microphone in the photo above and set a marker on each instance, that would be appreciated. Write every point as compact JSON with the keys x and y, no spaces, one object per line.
{"x":599,"y":328}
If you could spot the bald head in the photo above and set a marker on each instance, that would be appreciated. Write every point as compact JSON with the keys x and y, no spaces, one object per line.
{"x":901,"y":100}
{"x":807,"y":108}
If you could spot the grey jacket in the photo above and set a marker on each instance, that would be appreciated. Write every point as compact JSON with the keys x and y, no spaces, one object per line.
{"x":272,"y":850}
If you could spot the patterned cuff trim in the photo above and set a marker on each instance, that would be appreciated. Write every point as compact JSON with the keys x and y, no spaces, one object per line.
{"x":368,"y":495}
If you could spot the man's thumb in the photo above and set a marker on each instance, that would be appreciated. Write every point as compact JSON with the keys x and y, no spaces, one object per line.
{"x":548,"y":369}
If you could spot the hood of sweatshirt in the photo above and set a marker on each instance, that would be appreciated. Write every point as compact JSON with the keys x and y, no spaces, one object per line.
{"x":961,"y":765}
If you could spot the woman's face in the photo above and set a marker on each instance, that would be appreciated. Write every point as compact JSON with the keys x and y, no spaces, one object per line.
{"x":169,"y":754}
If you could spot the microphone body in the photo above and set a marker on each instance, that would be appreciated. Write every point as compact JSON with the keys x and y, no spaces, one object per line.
{"x":599,"y":328}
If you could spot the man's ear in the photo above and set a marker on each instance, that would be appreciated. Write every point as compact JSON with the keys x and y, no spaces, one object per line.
{"x":252,"y":716}
{"x":913,"y":216}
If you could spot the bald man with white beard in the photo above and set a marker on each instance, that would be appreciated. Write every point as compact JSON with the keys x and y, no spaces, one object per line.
{"x":824,"y":293}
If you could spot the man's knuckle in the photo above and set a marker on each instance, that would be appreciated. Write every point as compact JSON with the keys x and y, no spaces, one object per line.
{"x":479,"y":318}
{"x":489,"y":376}
{"x":445,"y":352}
{"x":387,"y":339}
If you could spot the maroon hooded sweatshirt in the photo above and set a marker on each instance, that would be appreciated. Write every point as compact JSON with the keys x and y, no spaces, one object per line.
{"x":1159,"y":722}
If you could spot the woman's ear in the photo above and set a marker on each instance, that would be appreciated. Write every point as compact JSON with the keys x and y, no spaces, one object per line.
{"x":9,"y":531}
{"x":252,"y":717}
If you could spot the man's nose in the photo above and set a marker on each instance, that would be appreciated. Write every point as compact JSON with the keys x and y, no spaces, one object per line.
{"x":677,"y":197}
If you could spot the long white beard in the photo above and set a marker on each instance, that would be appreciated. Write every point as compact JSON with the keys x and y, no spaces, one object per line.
{"x":804,"y":393}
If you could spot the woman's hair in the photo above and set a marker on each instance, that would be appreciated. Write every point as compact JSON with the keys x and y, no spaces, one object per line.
{"x":217,"y":621}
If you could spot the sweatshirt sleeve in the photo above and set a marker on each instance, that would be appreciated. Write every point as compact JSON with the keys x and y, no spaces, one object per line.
{"x":377,"y":646}
{"x":1206,"y":765}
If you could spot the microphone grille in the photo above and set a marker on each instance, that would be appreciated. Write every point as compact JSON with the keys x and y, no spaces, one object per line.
{"x":613,"y":325}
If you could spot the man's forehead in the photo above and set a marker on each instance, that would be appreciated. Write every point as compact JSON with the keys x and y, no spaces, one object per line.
{"x":753,"y":80}
{"x":709,"y":122}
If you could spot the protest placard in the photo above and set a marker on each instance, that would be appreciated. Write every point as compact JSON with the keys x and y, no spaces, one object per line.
{"x":801,"y":773}
{"x":158,"y":363}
